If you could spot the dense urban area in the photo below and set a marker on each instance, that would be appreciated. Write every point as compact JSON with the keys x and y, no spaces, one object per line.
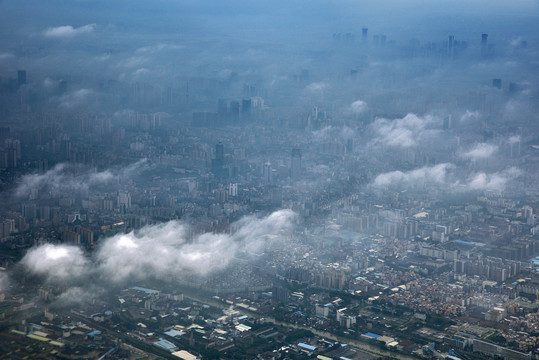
{"x":348,"y":192}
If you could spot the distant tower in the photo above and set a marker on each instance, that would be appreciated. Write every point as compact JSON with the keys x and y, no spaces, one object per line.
{"x":450,"y":46}
{"x":234,"y":110}
{"x":267,"y":173}
{"x":484,"y":44}
{"x":497,"y":83}
{"x":219,"y":152}
{"x":246,"y":108}
{"x":21,"y":77}
{"x":364,"y":34}
{"x":295,"y":165}
{"x":217,"y":164}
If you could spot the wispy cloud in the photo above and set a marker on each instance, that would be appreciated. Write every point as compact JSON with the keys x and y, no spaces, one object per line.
{"x":159,"y":47}
{"x":480,"y":151}
{"x":317,"y":88}
{"x":66,"y":177}
{"x":433,"y":175}
{"x":446,"y":176}
{"x":470,"y":116}
{"x":68,"y":31}
{"x":76,"y":98}
{"x":492,"y":182}
{"x":6,"y":56}
{"x":357,"y":107}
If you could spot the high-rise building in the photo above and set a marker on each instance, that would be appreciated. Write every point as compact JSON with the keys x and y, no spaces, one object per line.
{"x":267,"y":173}
{"x":450,"y":46}
{"x":123,"y":201}
{"x":21,"y":77}
{"x":217,"y":164}
{"x":484,"y":44}
{"x":234,"y":110}
{"x":219,"y":152}
{"x":71,"y":237}
{"x":295,"y":165}
{"x":364,"y":34}
{"x":222,"y":107}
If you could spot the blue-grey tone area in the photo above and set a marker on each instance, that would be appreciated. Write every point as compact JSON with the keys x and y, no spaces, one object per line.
{"x":269,"y":180}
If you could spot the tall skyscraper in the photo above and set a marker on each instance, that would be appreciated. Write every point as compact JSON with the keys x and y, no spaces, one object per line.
{"x":484,"y":39}
{"x":21,"y":77}
{"x":295,"y":165}
{"x":217,"y":164}
{"x":484,"y":44}
{"x":450,"y":46}
{"x":219,"y":152}
{"x":364,"y":34}
{"x":267,"y":173}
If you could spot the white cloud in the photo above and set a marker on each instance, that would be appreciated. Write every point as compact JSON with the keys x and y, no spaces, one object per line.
{"x":444,"y":175}
{"x":158,"y":47}
{"x":330,"y":133}
{"x":493,"y":182}
{"x":141,"y":71}
{"x":68,"y":31}
{"x":513,"y":139}
{"x":358,"y":107}
{"x":470,"y":116}
{"x":164,"y":250}
{"x":69,"y":178}
{"x":56,"y":262}
{"x":6,"y":56}
{"x":317,"y":87}
{"x":480,"y":151}
{"x":436,"y":175}
{"x":76,"y":98}
{"x":322,"y":134}
{"x":49,"y":83}
{"x":134,"y":62}
{"x":406,"y":132}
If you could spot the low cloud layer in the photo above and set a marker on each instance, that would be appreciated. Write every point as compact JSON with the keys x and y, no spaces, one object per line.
{"x":76,"y":98}
{"x":165,"y":250}
{"x":445,"y":175}
{"x":493,"y":182}
{"x":68,"y":31}
{"x":67,"y":177}
{"x":480,"y":151}
{"x":470,"y":116}
{"x":56,"y":262}
{"x":404,"y":133}
{"x":426,"y":175}
{"x":358,"y":107}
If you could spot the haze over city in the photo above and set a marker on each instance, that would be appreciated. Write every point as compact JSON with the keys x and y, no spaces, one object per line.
{"x":269,"y":180}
